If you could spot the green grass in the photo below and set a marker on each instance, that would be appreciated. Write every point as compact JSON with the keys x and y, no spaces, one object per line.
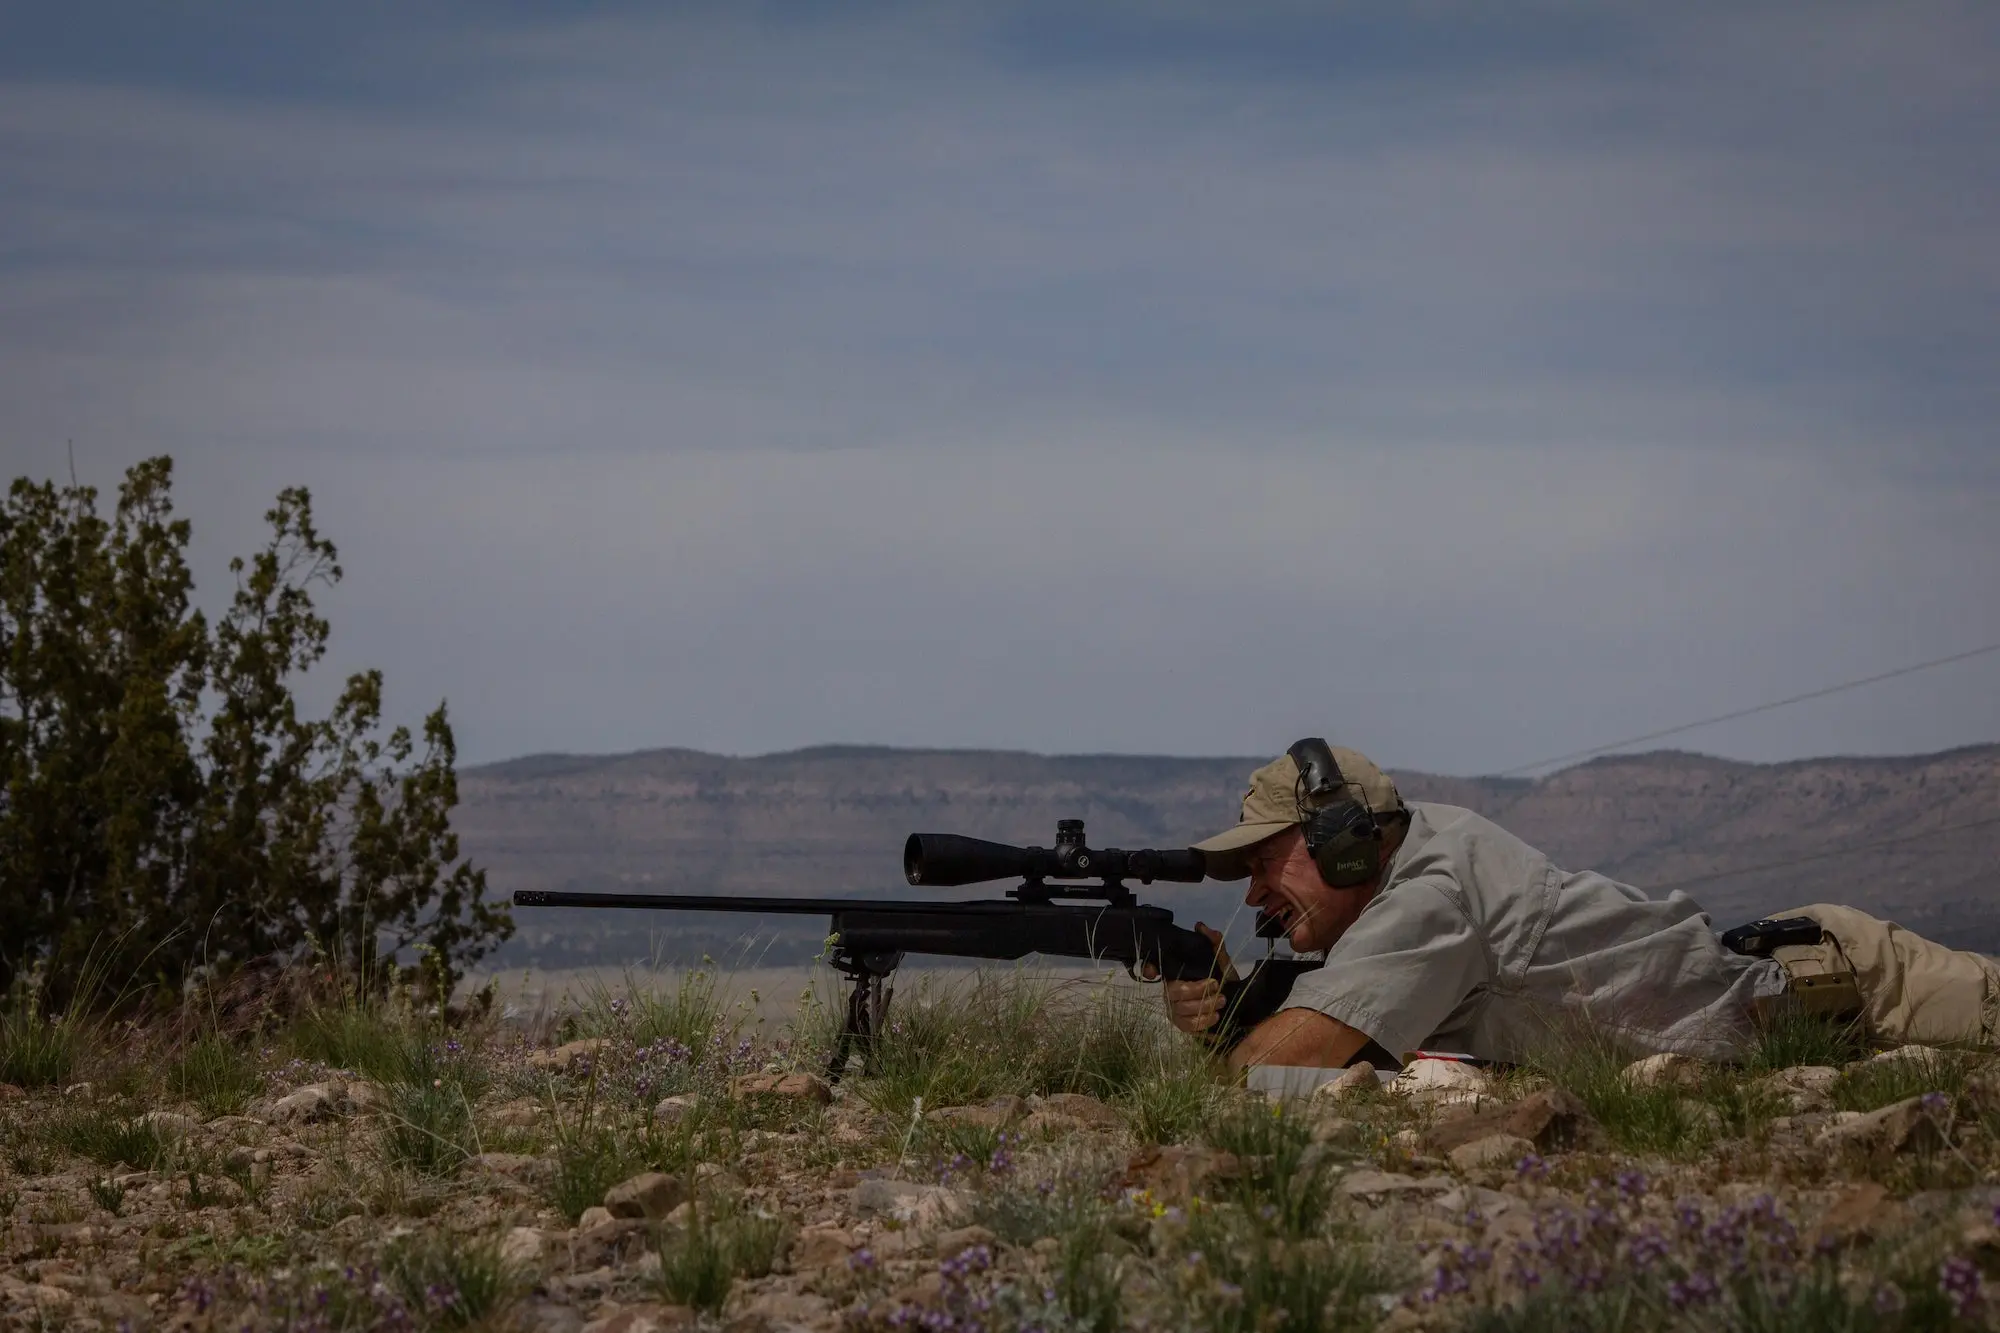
{"x":1173,"y":1103}
{"x":1286,"y":1179}
{"x":108,"y":1138}
{"x":957,"y":1041}
{"x":1241,"y":1279}
{"x":1800,"y":1039}
{"x":216,"y":1075}
{"x":360,"y":1035}
{"x":1879,"y":1083}
{"x":1591,"y":1063}
{"x":690,"y":1010}
{"x":449,"y":1282}
{"x":37,"y":1051}
{"x":701,"y":1261}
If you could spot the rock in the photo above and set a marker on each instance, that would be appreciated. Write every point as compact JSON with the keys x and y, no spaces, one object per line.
{"x":1911,"y":1054}
{"x":1665,"y":1070}
{"x":11,"y":1093}
{"x":648,"y":1318}
{"x":958,"y":1241}
{"x":171,"y":1124}
{"x":1803,"y":1087}
{"x":366,"y":1098}
{"x":715,"y":1174}
{"x":1053,"y":1125}
{"x":1698,"y":1112}
{"x":1441,"y":1082}
{"x":672,"y":1110}
{"x":540,"y":1315}
{"x":521,"y":1247}
{"x":823,"y":1247}
{"x":651,"y":1194}
{"x":594,"y":1217}
{"x":1371,"y":1184}
{"x":1492,"y":1150}
{"x":1089,"y":1110}
{"x":1180,"y":1171}
{"x":569,"y":1056}
{"x":1905,"y":1126}
{"x":1551,"y":1119}
{"x":80,"y":1092}
{"x":1332,"y":1128}
{"x":781,"y":1310}
{"x":1861,"y":1212}
{"x":919,"y":1207}
{"x":521,"y":1113}
{"x":514,"y":1166}
{"x":801,"y":1088}
{"x":309,"y":1104}
{"x":998,"y":1113}
{"x":1357,"y":1080}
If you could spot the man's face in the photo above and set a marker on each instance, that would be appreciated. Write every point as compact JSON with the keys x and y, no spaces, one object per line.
{"x":1285,"y":882}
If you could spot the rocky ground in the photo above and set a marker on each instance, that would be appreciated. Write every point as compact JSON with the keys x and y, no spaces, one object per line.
{"x":1023,"y":1155}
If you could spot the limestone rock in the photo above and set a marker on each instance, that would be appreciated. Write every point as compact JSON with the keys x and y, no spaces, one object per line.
{"x":1910,"y":1054}
{"x":822,"y":1247}
{"x":1354,"y":1081}
{"x":1902,"y":1127}
{"x":778,"y":1311}
{"x":1371,"y":1184}
{"x":998,"y":1113}
{"x":11,"y":1093}
{"x":1698,"y":1112}
{"x":569,"y":1056}
{"x":311,"y":1103}
{"x":801,"y":1088}
{"x":1053,"y":1124}
{"x":651,"y":1194}
{"x":521,"y":1247}
{"x":1089,"y":1110}
{"x":1441,"y":1082}
{"x":919,"y":1207}
{"x":365,"y":1098}
{"x":1665,"y":1070}
{"x":169,"y":1124}
{"x":514,"y":1166}
{"x":1803,"y":1087}
{"x":1861,"y":1212}
{"x":1180,"y":1171}
{"x":594,"y":1217}
{"x":672,"y":1110}
{"x":1492,"y":1150}
{"x":1551,"y":1119}
{"x":958,"y":1241}
{"x":647,"y":1318}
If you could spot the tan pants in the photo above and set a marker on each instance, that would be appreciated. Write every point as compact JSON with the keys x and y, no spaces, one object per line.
{"x":1911,"y":989}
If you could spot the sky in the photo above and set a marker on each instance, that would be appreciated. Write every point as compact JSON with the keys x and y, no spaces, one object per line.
{"x":1464,"y":383}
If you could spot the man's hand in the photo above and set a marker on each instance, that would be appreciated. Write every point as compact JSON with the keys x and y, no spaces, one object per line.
{"x":1194,"y":1006}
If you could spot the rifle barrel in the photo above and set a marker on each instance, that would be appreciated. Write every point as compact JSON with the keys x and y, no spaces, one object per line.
{"x":720,"y":902}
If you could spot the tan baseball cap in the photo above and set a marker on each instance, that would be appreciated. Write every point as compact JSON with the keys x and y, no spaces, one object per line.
{"x":1272,"y":805}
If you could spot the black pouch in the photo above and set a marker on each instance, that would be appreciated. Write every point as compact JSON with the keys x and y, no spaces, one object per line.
{"x":1759,"y":938}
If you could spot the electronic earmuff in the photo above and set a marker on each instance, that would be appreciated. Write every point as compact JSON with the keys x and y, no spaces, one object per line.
{"x":1343,"y":835}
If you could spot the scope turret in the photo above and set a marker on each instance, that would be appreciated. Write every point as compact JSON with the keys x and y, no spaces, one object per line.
{"x":944,"y":860}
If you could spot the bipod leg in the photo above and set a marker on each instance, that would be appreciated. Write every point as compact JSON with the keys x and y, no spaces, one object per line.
{"x":857,"y":1028}
{"x":880,"y":992}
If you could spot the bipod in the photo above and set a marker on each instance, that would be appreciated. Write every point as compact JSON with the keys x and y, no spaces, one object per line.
{"x":867,"y":1007}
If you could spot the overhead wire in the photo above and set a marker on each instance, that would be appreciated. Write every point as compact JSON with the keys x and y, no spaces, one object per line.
{"x":1751,"y":711}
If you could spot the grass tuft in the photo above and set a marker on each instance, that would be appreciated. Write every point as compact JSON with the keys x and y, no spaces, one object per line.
{"x":37,"y":1050}
{"x":109,"y":1139}
{"x":701,"y":1261}
{"x":216,"y":1075}
{"x":449,"y":1282}
{"x":1286,"y":1177}
{"x":1878,"y":1083}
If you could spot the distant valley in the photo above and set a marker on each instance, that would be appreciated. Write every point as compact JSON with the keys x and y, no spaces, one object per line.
{"x":832,"y":821}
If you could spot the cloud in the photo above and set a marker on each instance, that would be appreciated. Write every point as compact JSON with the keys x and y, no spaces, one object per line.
{"x":1159,"y":381}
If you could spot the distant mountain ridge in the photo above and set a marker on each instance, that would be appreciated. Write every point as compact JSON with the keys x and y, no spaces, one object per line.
{"x":831,"y":820}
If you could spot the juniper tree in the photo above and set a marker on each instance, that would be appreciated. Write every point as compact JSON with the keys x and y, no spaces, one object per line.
{"x":164,"y":804}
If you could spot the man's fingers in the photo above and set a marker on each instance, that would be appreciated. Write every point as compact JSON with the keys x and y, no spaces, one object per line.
{"x":1149,"y":972}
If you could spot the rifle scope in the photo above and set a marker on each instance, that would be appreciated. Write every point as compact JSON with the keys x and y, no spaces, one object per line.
{"x":945,"y":859}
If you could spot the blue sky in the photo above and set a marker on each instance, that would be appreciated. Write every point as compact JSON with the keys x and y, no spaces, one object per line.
{"x":1465,"y":385}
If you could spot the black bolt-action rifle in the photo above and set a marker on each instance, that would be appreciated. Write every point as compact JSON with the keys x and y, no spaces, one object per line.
{"x":869,"y":937}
